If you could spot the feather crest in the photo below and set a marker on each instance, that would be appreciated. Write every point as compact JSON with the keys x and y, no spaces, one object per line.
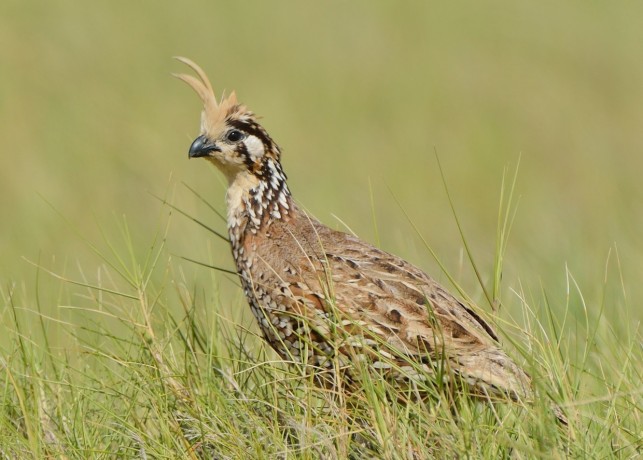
{"x":213,"y":111}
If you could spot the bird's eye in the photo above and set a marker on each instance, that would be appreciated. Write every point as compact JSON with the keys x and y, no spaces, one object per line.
{"x":234,"y":136}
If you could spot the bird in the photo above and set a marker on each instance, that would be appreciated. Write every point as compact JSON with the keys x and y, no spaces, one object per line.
{"x":325,"y":298}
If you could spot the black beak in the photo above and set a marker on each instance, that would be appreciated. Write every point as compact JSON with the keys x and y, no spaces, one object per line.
{"x":201,"y":147}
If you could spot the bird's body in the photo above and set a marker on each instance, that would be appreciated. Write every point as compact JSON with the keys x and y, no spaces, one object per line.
{"x":324,"y":297}
{"x":302,"y":278}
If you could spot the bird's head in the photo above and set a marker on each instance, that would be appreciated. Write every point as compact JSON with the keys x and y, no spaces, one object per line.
{"x":231,"y":137}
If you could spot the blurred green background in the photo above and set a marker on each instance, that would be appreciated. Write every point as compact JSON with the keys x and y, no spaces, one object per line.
{"x":360,"y":95}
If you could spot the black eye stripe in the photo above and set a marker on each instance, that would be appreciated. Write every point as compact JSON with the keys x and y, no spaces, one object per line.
{"x":252,"y":129}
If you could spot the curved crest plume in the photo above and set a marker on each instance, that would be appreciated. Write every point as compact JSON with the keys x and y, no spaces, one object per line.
{"x":213,"y":111}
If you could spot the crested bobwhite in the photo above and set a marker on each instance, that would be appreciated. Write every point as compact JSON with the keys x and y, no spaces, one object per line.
{"x":322,"y":296}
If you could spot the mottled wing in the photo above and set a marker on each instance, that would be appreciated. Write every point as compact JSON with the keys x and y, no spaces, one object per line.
{"x":418,"y":316}
{"x":328,"y":276}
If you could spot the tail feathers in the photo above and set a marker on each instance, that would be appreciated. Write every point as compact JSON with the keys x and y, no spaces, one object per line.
{"x":491,"y":372}
{"x":560,"y":415}
{"x":494,"y":374}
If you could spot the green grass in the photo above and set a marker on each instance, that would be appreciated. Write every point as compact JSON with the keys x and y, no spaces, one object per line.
{"x":164,"y":370}
{"x":111,"y":341}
